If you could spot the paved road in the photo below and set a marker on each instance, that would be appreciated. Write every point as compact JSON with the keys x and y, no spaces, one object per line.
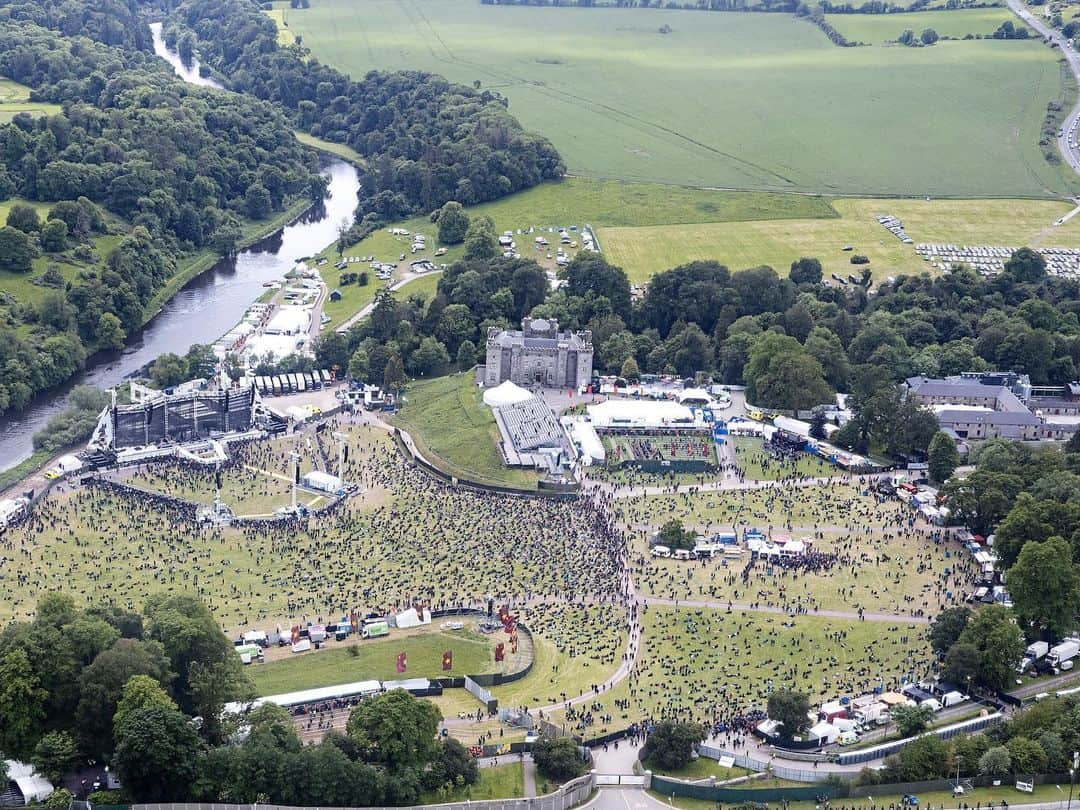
{"x":1072,"y":121}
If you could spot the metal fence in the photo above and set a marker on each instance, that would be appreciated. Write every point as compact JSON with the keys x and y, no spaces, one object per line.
{"x":569,"y":795}
{"x":945,"y":733}
{"x":667,"y":786}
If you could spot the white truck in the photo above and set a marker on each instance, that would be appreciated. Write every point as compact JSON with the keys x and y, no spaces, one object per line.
{"x":1033,"y":654}
{"x":1061,"y":655}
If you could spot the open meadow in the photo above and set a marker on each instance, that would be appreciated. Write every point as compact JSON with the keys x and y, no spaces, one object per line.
{"x":15,"y":99}
{"x":728,"y":100}
{"x":957,"y":23}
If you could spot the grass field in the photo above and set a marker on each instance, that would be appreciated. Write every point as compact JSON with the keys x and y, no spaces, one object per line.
{"x":694,"y":663}
{"x":643,"y":251}
{"x":15,"y":99}
{"x":727,"y":100}
{"x":339,"y":149}
{"x":377,"y":660}
{"x":878,"y":28}
{"x":883,"y":565}
{"x":285,"y":37}
{"x":500,"y":782}
{"x":446,"y":417}
{"x":757,"y":465}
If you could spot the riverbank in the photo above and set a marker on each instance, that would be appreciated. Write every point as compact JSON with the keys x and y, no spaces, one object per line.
{"x":197,"y":264}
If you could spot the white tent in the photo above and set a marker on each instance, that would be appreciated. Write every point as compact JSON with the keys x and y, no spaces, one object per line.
{"x":824,"y":733}
{"x":694,"y":396}
{"x":642,"y":414}
{"x":506,"y":393}
{"x":323,"y":482}
{"x":411,"y":618}
{"x":32,"y":786}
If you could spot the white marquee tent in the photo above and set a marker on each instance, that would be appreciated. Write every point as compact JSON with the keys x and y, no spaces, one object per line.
{"x":506,"y":393}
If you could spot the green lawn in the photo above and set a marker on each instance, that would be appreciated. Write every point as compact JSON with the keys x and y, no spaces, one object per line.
{"x":500,"y":782}
{"x":278,"y":15}
{"x":643,"y":251}
{"x":377,"y":660}
{"x":700,"y":768}
{"x":15,"y":99}
{"x":726,"y":100}
{"x":455,"y":430}
{"x":877,"y":28}
{"x":757,"y":465}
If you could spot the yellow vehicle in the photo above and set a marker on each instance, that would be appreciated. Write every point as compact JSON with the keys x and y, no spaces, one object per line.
{"x":51,"y":474}
{"x":756,"y":415}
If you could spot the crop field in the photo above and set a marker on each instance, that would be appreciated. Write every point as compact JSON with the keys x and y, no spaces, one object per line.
{"x":705,"y":664}
{"x":878,"y":28}
{"x":644,"y":251}
{"x":727,"y":100}
{"x":15,"y":99}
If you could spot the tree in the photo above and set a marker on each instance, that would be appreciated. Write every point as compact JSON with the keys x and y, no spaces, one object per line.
{"x":982,"y":499}
{"x":1026,"y":266}
{"x":358,"y":364}
{"x":943,"y":457}
{"x":54,"y":236}
{"x":910,"y":720}
{"x":331,"y":350}
{"x":806,"y":271}
{"x":907,"y":37}
{"x":630,"y":371}
{"x":110,"y":332}
{"x":674,"y":536}
{"x":257,"y":202}
{"x":24,"y":218}
{"x":454,"y":765}
{"x":140,"y":692}
{"x":791,"y":709}
{"x":430,"y":357}
{"x":929,"y":36}
{"x":22,"y":705}
{"x":481,"y":241}
{"x":453,"y":223}
{"x":54,"y":755}
{"x":1045,"y":585}
{"x":1027,"y":756}
{"x":394,"y":373}
{"x":996,"y":762}
{"x":16,"y":250}
{"x":156,"y":755}
{"x":947,"y":628}
{"x":993,"y":632}
{"x":589,"y":276}
{"x":793,"y":381}
{"x":558,"y":758}
{"x":466,"y":355}
{"x":924,"y":758}
{"x":396,"y":730}
{"x":168,"y":370}
{"x":671,"y":745}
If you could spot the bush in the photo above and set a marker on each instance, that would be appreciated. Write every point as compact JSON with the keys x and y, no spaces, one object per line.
{"x":558,"y":758}
{"x":860,"y":259}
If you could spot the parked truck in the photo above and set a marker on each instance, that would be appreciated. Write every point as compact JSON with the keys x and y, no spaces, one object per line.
{"x":1034,"y":653}
{"x":1061,"y":655}
{"x":374,"y":629}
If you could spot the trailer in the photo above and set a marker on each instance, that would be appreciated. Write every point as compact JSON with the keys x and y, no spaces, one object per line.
{"x":1032,"y":655}
{"x":375,"y":629}
{"x":1062,"y":654}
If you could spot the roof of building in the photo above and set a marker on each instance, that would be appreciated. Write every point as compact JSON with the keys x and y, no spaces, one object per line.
{"x":569,"y":340}
{"x":954,"y":416}
{"x":926,"y":387}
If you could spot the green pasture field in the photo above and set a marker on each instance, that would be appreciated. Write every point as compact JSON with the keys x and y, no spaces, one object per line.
{"x":888,"y":569}
{"x":644,"y":251}
{"x":277,"y":14}
{"x":726,"y":100}
{"x":877,"y":28}
{"x":377,"y":659}
{"x":341,"y":150}
{"x":692,"y":660}
{"x":15,"y":99}
{"x":447,"y":419}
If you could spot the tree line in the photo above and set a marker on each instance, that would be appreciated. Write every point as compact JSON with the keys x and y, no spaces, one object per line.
{"x":146,"y":692}
{"x":425,"y":140}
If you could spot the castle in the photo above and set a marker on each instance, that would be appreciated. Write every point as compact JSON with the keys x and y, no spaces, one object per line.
{"x":539,"y":354}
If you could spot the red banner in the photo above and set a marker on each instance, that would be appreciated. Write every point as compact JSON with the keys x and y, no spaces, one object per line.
{"x":295,"y":633}
{"x":354,"y":622}
{"x":448,"y":660}
{"x":499,"y":651}
{"x":402,"y":662}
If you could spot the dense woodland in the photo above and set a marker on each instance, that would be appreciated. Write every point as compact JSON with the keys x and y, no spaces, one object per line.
{"x":136,"y":153}
{"x":109,"y":684}
{"x":426,"y":140}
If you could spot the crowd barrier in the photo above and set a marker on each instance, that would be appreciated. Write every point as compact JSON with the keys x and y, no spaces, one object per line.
{"x":570,"y":795}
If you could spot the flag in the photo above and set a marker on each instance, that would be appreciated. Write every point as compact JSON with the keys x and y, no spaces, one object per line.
{"x":295,"y":633}
{"x":499,"y":651}
{"x":354,"y":622}
{"x":402,"y":662}
{"x":346,"y":455}
{"x":448,"y":660}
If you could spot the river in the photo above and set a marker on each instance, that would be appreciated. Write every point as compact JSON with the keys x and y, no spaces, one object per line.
{"x":207,"y":307}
